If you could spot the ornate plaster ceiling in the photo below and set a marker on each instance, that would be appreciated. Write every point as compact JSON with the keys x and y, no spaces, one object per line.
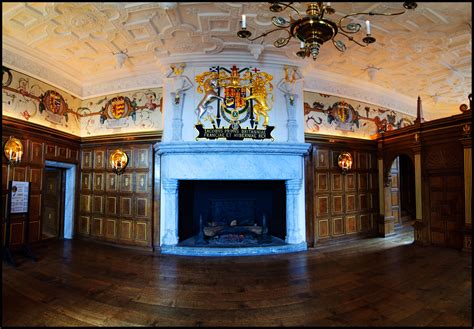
{"x":425,"y":52}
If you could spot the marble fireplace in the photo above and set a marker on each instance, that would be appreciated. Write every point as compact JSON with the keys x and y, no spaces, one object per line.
{"x":232,"y":161}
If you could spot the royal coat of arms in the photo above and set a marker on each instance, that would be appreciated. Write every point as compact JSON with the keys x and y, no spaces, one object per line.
{"x":55,"y":106}
{"x":240,"y":97}
{"x":117,"y":108}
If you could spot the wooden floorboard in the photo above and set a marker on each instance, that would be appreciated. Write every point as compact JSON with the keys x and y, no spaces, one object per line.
{"x":371,"y":282}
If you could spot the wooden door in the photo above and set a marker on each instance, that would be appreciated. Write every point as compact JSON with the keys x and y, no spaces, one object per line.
{"x":52,"y":223}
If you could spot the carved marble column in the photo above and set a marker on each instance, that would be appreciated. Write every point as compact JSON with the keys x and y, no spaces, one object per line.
{"x":467,"y":144}
{"x":295,"y":230}
{"x":169,"y":210}
{"x":292,"y":124}
{"x":177,"y":125}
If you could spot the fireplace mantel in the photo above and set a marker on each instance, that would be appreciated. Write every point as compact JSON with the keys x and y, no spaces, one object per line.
{"x":231,"y":160}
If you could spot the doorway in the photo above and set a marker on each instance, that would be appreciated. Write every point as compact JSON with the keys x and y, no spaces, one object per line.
{"x":52,"y":221}
{"x":59,"y":193}
{"x":402,"y":198}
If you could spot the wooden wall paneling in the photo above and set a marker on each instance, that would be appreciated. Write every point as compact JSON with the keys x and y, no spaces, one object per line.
{"x":351,"y":202}
{"x":99,"y":159}
{"x":86,"y":182}
{"x":126,"y":229}
{"x":86,"y":159}
{"x":85,"y":203}
{"x":111,"y":203}
{"x":97,"y":226}
{"x":350,"y":182}
{"x":337,"y":182}
{"x":98,"y":204}
{"x":36,"y":179}
{"x":337,"y":203}
{"x":84,"y":225}
{"x":111,"y":228}
{"x":323,"y":159}
{"x":309,"y":201}
{"x":16,"y":233}
{"x":364,"y":223}
{"x":62,"y":152}
{"x":36,"y":155}
{"x":99,"y":183}
{"x":20,"y":174}
{"x":142,"y":158}
{"x":126,"y":182}
{"x":322,"y":182}
{"x":5,"y":176}
{"x":142,"y":182}
{"x":126,"y":206}
{"x":322,"y":205}
{"x":111,"y":185}
{"x":35,"y":207}
{"x":338,"y":226}
{"x":323,"y":228}
{"x":351,"y":224}
{"x":141,"y":232}
{"x":50,"y":150}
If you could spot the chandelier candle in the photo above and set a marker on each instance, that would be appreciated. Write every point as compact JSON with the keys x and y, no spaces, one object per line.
{"x":244,"y":21}
{"x":367,"y":25}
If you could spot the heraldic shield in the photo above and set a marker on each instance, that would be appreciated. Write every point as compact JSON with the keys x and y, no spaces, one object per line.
{"x":240,"y":97}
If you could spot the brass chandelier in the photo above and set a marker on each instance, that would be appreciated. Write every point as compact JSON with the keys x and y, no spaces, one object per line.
{"x":313,"y":29}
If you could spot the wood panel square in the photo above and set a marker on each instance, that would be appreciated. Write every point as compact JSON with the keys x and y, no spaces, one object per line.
{"x":86,"y":159}
{"x":111,"y":205}
{"x":98,"y":204}
{"x":395,"y":198}
{"x":141,"y":231}
{"x":84,"y":224}
{"x":323,"y":205}
{"x":362,"y":160}
{"x":74,"y":155}
{"x":142,"y":207}
{"x":363,"y":182}
{"x":35,"y":207}
{"x":50,"y":151}
{"x":125,"y":206}
{"x":337,"y":206}
{"x":85,"y":204}
{"x":16,"y":233}
{"x":337,"y":182}
{"x":338,"y":226}
{"x":322,"y":158}
{"x":111,"y":228}
{"x":98,"y":182}
{"x":36,"y":156}
{"x":97,"y":226}
{"x":99,"y":159}
{"x":350,"y":182}
{"x":86,"y":182}
{"x":394,"y":180}
{"x":323,"y":182}
{"x":34,"y":232}
{"x":364,"y":223}
{"x":142,"y":182}
{"x":36,"y":178}
{"x":19,"y":174}
{"x":126,"y":229}
{"x":143,"y":158}
{"x":63,"y":152}
{"x":126,"y":182}
{"x":112,"y":182}
{"x":351,"y":202}
{"x":323,"y":228}
{"x":351,"y":224}
{"x":363,"y":202}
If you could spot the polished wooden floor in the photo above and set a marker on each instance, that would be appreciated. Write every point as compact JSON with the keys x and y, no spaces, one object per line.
{"x":373,"y":282}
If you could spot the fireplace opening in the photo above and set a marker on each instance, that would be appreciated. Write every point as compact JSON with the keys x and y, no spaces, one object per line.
{"x":232,"y":213}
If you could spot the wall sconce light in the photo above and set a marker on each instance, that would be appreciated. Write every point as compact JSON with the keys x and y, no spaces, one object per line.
{"x":13,"y":150}
{"x":118,"y":161}
{"x":344,"y":161}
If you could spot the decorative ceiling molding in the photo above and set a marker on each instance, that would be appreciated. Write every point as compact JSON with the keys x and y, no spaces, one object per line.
{"x":423,"y":52}
{"x":337,"y":85}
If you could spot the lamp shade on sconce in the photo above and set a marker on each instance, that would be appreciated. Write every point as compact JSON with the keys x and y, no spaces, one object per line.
{"x":118,"y":161}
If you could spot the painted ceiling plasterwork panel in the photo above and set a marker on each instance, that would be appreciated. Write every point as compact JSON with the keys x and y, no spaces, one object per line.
{"x":425,"y":52}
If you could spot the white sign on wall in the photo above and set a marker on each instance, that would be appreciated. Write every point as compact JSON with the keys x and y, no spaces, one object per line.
{"x":19,"y":195}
